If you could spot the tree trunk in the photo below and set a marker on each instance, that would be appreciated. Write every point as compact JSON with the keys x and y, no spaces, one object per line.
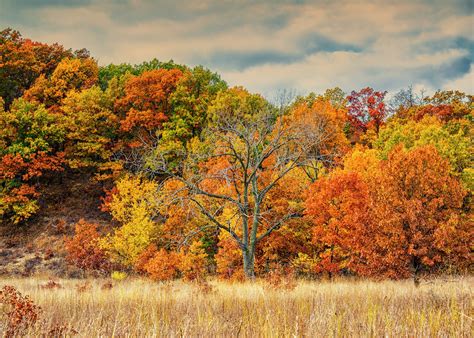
{"x":415,"y":262}
{"x":416,"y":279}
{"x":249,"y":266}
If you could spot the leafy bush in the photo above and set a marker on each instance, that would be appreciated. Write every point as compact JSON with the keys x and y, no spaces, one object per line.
{"x":163,"y":266}
{"x":19,"y":311}
{"x":83,"y":250}
{"x":118,"y":275}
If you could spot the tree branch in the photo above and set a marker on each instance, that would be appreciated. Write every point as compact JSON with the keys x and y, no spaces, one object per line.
{"x":277,"y":225}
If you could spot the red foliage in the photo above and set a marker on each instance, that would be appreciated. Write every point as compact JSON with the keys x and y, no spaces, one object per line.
{"x":444,"y":112}
{"x":366,"y":109}
{"x":19,"y":310}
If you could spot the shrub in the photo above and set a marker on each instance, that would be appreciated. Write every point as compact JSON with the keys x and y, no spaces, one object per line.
{"x":51,"y":284}
{"x":144,"y":258}
{"x":193,"y":263}
{"x":118,"y":275}
{"x":107,"y":286}
{"x":134,"y":204}
{"x":20,"y":311}
{"x":83,"y":250}
{"x":304,"y":265}
{"x":163,"y":266}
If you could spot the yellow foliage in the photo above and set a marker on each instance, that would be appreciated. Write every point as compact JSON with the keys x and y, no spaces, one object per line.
{"x":134,"y":204}
{"x":304,"y":264}
{"x":363,"y":161}
{"x":193,"y":263}
{"x":118,"y":275}
{"x":135,"y":196}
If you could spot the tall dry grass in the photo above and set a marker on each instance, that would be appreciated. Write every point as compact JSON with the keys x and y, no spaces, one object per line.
{"x":137,"y":307}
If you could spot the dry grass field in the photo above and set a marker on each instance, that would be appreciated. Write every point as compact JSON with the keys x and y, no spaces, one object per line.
{"x":135,"y":307}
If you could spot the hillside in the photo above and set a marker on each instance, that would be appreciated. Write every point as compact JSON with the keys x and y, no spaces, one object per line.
{"x":164,"y":170}
{"x":37,"y":247}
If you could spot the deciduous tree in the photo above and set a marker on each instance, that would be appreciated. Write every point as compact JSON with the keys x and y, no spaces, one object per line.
{"x":70,"y":74}
{"x":133,"y":203}
{"x":250,"y":149}
{"x":146,"y":101}
{"x":22,"y":61}
{"x":416,"y":216}
{"x":29,"y":142}
{"x":338,"y":206}
{"x":91,"y":128}
{"x":366,"y":110}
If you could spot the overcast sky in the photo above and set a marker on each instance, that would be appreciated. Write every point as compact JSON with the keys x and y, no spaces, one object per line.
{"x":270,"y":45}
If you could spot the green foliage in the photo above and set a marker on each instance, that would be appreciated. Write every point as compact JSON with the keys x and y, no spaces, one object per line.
{"x":190,"y":102}
{"x":237,"y":105}
{"x":107,"y":73}
{"x":29,"y":140}
{"x":453,"y":140}
{"x":28,"y":128}
{"x":220,"y":174}
{"x":336,"y":96}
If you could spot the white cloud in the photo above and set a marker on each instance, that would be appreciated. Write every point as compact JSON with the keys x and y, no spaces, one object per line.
{"x":391,"y":39}
{"x":464,"y":84}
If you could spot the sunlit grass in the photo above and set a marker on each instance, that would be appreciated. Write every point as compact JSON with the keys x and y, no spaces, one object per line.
{"x":136,"y":307}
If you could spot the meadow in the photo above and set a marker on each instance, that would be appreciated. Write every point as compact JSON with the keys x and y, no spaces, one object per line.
{"x":138,"y":307}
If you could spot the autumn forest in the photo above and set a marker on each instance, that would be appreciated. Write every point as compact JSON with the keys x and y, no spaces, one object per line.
{"x":189,"y":179}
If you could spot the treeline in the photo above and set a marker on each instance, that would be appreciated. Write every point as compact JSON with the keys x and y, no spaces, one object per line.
{"x":200,"y":178}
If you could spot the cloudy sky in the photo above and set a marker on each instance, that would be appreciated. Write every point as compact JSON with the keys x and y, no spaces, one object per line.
{"x":270,"y":45}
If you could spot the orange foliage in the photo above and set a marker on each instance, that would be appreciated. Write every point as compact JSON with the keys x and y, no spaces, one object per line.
{"x":163,"y":265}
{"x":18,"y":201}
{"x":443,"y":112}
{"x":34,"y":165}
{"x":146,"y":99}
{"x":229,"y":258}
{"x":294,"y":236}
{"x":144,"y":258}
{"x":322,"y":115}
{"x":20,"y":311}
{"x":23,"y":60}
{"x":397,"y":218}
{"x":83,"y":250}
{"x":338,"y":207}
{"x":416,"y":218}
